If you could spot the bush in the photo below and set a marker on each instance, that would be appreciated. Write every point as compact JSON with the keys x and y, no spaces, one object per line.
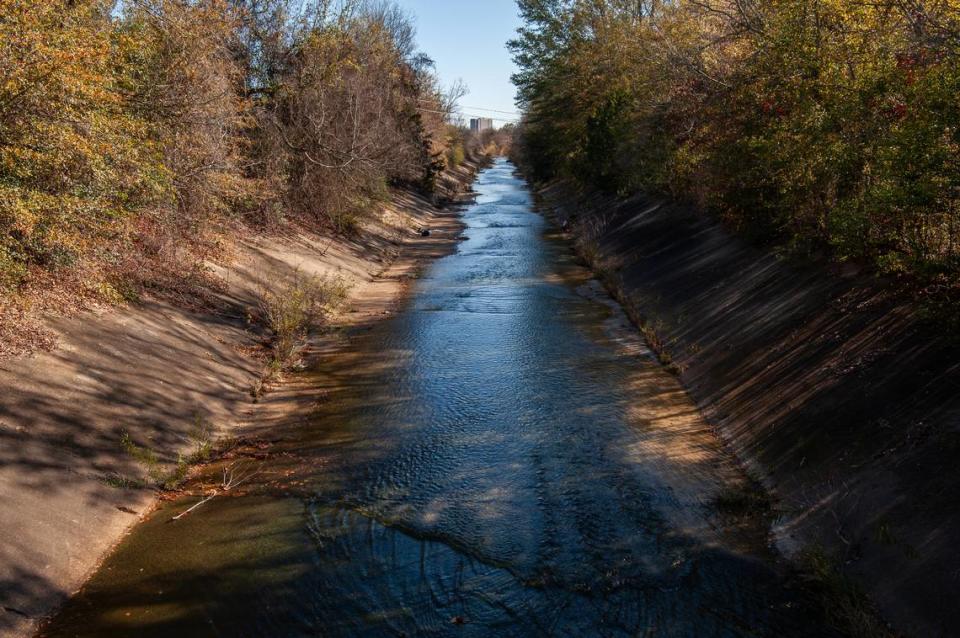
{"x":75,"y":164}
{"x":456,"y":156}
{"x":290,"y":310}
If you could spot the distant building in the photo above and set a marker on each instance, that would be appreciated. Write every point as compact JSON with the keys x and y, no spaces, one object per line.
{"x":480,"y":124}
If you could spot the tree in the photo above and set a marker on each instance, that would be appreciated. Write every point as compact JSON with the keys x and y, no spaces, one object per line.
{"x":136,"y":136}
{"x":74,"y":163}
{"x":819,"y":123}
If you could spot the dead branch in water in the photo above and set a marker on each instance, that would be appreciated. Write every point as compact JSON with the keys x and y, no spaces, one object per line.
{"x":231,"y":480}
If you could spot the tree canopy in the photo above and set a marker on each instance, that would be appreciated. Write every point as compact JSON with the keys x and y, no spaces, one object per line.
{"x":820,"y":123}
{"x":136,"y":135}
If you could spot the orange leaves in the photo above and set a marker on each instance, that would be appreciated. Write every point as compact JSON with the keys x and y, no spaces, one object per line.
{"x":67,"y":143}
{"x":169,"y":112}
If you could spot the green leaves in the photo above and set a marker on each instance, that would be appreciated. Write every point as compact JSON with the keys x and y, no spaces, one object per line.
{"x":819,"y":123}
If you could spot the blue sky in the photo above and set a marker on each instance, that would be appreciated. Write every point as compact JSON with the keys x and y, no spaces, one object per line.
{"x":468,"y":41}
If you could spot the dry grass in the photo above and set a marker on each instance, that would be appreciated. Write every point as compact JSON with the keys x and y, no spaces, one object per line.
{"x":165,"y":475}
{"x":289,"y":311}
{"x":652,"y":330}
{"x":178,"y":276}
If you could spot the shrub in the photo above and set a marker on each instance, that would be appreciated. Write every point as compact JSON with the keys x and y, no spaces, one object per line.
{"x":456,"y":156}
{"x":290,"y":310}
{"x":75,"y":164}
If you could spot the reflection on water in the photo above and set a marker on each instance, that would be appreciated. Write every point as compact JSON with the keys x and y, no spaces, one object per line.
{"x":502,"y":458}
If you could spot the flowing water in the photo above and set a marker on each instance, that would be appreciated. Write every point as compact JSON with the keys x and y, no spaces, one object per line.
{"x":502,"y":458}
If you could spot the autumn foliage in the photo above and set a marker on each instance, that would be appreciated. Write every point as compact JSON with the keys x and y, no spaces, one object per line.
{"x":822,"y":124}
{"x":74,"y":163}
{"x":137,"y":136}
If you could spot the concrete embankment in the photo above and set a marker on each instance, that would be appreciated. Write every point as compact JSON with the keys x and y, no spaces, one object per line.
{"x":825,"y":381}
{"x":153,"y":370}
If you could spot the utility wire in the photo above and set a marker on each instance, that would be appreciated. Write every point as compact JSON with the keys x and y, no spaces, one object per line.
{"x":453,"y":113}
{"x":479,"y":108}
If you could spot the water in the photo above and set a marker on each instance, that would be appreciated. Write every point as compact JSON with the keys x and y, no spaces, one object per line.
{"x":502,"y":458}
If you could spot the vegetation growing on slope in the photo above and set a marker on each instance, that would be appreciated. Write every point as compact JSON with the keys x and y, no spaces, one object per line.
{"x":136,"y":136}
{"x":289,"y":311}
{"x":817,"y":123}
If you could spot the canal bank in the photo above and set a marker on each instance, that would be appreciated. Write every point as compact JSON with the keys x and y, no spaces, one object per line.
{"x":154,"y":370}
{"x":828,"y":382}
{"x":503,"y":456}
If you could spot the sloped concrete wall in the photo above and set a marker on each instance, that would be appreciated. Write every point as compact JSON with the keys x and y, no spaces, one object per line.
{"x":825,"y":382}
